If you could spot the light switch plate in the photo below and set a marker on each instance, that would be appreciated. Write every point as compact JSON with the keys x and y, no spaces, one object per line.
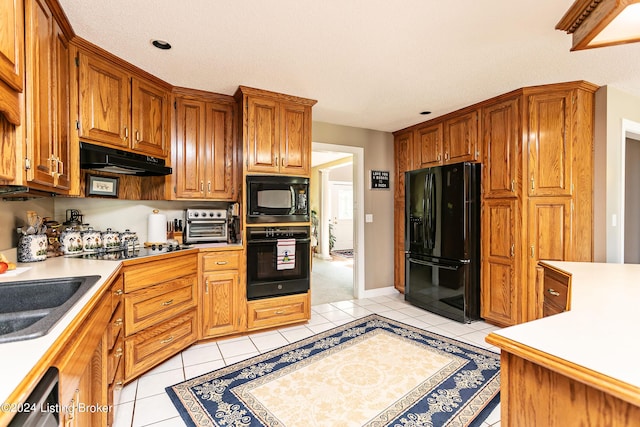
{"x":368,"y":217}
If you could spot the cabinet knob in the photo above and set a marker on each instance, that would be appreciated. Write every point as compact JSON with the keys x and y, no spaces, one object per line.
{"x":118,"y":292}
{"x":118,"y":322}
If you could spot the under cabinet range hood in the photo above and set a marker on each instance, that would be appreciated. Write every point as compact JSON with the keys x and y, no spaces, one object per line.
{"x":121,"y":162}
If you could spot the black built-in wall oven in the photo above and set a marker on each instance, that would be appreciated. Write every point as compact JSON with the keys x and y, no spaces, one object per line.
{"x":266,"y":274}
{"x":277,"y":199}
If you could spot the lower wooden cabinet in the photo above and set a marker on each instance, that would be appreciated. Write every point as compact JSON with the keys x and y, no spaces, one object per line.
{"x":554,"y":286}
{"x":270,"y":312}
{"x":160,"y":301}
{"x":223,"y":293}
{"x":156,"y":344}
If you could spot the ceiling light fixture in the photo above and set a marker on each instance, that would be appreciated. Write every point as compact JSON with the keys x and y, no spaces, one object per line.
{"x":599,"y":23}
{"x":161,"y":44}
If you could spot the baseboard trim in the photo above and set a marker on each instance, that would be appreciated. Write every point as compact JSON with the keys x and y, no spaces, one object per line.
{"x":380,"y":292}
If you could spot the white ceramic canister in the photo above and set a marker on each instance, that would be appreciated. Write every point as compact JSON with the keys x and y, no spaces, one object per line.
{"x":32,"y":247}
{"x":71,"y":241}
{"x":110,"y":239}
{"x":91,"y":240}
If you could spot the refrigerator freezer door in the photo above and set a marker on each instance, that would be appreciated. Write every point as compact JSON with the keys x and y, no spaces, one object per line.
{"x":439,"y":286}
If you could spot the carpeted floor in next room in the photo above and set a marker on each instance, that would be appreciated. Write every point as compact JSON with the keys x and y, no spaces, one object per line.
{"x":144,"y":401}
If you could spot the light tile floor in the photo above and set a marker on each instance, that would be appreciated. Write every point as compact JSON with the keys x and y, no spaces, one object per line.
{"x":144,"y":402}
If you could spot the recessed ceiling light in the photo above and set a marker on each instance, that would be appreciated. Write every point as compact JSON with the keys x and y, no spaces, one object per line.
{"x":161,"y":44}
{"x":424,"y":113}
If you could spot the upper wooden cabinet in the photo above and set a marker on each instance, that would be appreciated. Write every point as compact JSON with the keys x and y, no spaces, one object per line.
{"x":11,"y":59}
{"x":428,"y":146}
{"x":12,"y":43}
{"x":48,"y":151}
{"x":550,"y":143}
{"x":448,"y":140}
{"x":276,"y":131}
{"x":501,"y":140}
{"x":204,"y":153}
{"x":461,"y":138}
{"x":119,"y":109}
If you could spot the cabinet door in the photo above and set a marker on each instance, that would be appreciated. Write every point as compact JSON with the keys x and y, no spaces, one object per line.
{"x":103,"y":100}
{"x":500,"y":149}
{"x":219,"y":151}
{"x":39,"y":101}
{"x":550,"y":148}
{"x":549,"y":239}
{"x":461,"y":138}
{"x":149,"y":107}
{"x":189,"y":148}
{"x":263,"y":149}
{"x":12,"y":43}
{"x":499,"y":295}
{"x":427,"y":150}
{"x":402,"y":148}
{"x":220,"y":303}
{"x":295,"y":139}
{"x":61,"y":112}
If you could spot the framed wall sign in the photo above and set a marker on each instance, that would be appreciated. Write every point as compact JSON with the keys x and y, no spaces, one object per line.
{"x":102,"y":186}
{"x":379,"y":180}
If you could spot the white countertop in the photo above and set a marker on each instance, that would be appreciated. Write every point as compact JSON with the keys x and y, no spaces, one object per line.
{"x":19,"y":357}
{"x":600,"y":332}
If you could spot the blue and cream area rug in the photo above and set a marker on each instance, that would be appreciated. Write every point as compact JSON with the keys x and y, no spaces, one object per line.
{"x":373,"y":371}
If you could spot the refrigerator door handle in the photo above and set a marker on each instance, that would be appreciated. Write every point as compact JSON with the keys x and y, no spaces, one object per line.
{"x":434,"y":264}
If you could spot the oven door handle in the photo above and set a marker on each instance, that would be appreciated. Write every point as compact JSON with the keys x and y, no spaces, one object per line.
{"x":249,"y":242}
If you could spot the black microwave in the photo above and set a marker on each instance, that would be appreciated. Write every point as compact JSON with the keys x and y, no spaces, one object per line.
{"x":277,"y":199}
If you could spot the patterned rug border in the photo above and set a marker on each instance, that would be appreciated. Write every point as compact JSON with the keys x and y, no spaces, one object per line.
{"x":184,"y":400}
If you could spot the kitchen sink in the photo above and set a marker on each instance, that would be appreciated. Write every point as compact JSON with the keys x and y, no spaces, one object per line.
{"x":31,"y":308}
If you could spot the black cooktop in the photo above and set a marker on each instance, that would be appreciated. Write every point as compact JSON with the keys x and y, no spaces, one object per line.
{"x":128,"y":253}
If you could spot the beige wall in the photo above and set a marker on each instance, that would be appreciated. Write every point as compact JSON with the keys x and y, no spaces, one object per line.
{"x":378,"y":235}
{"x":632,"y":203}
{"x":13,"y":214}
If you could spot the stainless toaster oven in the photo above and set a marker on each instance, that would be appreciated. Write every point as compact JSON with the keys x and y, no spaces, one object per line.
{"x":205,"y":226}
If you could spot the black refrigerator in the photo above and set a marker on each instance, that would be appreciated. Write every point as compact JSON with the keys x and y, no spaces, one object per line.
{"x":442,"y":242}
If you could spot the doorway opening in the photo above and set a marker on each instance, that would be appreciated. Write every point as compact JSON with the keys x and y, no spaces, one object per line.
{"x":336,"y":192}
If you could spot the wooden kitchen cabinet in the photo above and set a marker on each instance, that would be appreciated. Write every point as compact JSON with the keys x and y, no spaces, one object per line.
{"x":500,"y":236}
{"x":461,"y":138}
{"x":160,"y":300}
{"x":429,"y":146}
{"x":403,"y":144}
{"x":554,"y":288}
{"x":277,"y":311}
{"x":204,"y":151}
{"x":537,"y":193}
{"x":223,"y":299}
{"x":11,"y":58}
{"x":120,"y":109}
{"x":276,"y":130}
{"x":48,"y":150}
{"x":501,"y":140}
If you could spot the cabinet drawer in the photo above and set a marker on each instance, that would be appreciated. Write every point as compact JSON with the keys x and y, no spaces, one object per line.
{"x":115,"y":326}
{"x":114,"y":360}
{"x":556,"y":291}
{"x":117,"y":290}
{"x":158,"y":303}
{"x":146,"y":349}
{"x":140,"y":276}
{"x":278,"y":311}
{"x":214,"y":261}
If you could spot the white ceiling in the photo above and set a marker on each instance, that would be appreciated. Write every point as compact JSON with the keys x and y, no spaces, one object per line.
{"x":370,"y":63}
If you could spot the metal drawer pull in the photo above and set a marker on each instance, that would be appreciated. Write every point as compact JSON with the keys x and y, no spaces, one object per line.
{"x":166,"y":303}
{"x":280,"y":312}
{"x":553,"y":292}
{"x":222,"y":262}
{"x":167,"y":341}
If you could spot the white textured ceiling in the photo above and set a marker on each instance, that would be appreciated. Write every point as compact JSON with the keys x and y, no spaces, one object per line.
{"x":370,"y":63}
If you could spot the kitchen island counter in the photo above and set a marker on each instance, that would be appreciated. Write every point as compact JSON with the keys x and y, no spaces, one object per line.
{"x":595,"y":344}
